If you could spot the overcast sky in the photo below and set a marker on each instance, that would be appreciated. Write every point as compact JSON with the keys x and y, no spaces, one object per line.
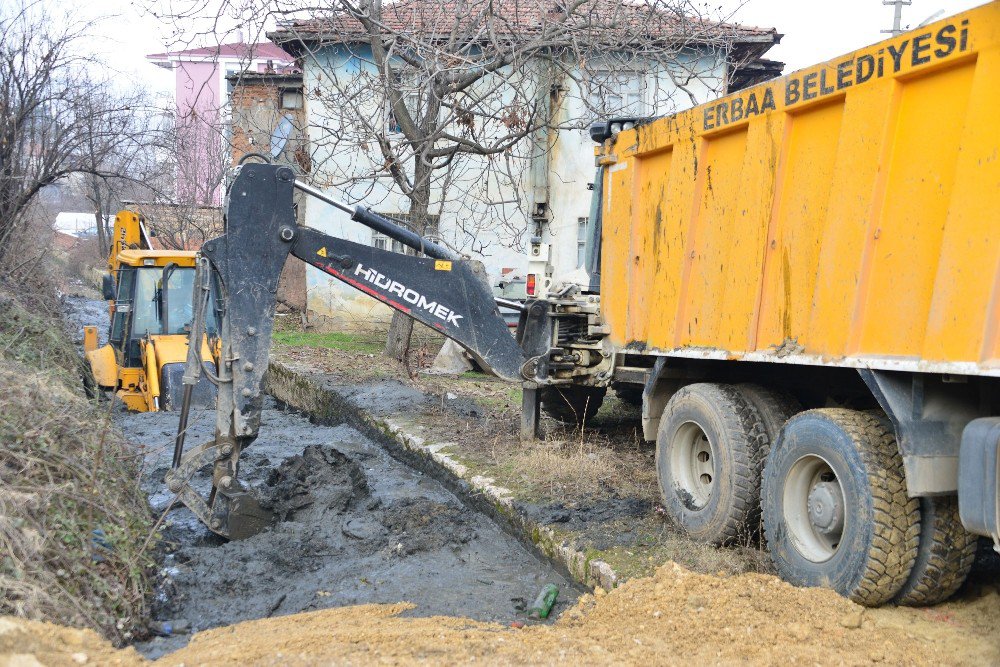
{"x":814,"y":31}
{"x":817,"y":31}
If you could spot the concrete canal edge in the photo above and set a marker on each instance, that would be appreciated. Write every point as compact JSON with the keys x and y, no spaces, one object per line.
{"x":302,"y":391}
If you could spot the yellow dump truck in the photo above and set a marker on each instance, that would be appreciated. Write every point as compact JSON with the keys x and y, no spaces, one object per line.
{"x":149,"y":297}
{"x":800,"y":282}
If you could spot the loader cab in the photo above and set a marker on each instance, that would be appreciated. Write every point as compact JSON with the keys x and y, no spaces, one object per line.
{"x":153,"y":298}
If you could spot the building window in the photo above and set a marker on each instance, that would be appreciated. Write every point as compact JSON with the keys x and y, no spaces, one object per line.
{"x":619,"y":93}
{"x":411,"y":100}
{"x":408,"y":83}
{"x":581,"y":241}
{"x":383,"y":242}
{"x":231,"y":70}
{"x":291,"y":99}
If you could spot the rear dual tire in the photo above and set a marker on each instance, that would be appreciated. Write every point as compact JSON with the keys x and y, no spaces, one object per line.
{"x":832,"y":494}
{"x":944,"y":558}
{"x":835,"y":508}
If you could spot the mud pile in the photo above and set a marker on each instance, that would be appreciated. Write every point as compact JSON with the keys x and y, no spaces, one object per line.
{"x":316,"y":485}
{"x":357,"y":527}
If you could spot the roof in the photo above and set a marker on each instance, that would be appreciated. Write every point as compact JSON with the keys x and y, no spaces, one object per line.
{"x":237,"y":50}
{"x":278,"y":78}
{"x":134,"y":257}
{"x":615,"y":19}
{"x":64,"y":242}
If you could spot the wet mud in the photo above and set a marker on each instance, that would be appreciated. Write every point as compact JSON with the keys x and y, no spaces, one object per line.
{"x":358,"y":526}
{"x":80,"y":311}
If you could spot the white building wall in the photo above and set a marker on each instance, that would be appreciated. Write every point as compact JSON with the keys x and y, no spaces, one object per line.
{"x":486,"y":217}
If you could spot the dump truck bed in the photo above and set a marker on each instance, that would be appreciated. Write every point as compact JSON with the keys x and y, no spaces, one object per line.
{"x":845,"y":214}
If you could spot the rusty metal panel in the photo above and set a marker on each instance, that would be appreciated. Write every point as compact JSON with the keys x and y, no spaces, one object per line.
{"x":845,"y":214}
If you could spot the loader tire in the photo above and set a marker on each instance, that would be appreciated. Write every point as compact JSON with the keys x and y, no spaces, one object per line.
{"x":708,"y":461}
{"x":572,"y":405}
{"x":835,"y":508}
{"x":945,"y":555}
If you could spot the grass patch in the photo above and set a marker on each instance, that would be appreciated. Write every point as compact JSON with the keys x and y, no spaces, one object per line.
{"x":642,"y":560}
{"x":336,"y":340}
{"x":34,"y":336}
{"x":75,"y":528}
{"x":565,"y":469}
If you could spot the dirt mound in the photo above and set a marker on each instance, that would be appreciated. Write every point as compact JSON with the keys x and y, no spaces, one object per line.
{"x":31,"y":643}
{"x":319,"y":482}
{"x":674,"y":617}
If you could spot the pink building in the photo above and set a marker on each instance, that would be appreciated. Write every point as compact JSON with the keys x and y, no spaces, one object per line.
{"x":201,"y":122}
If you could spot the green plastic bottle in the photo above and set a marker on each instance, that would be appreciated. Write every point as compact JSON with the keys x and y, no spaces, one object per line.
{"x":543,"y":604}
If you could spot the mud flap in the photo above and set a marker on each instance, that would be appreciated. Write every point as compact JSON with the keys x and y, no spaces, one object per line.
{"x":979,"y":478}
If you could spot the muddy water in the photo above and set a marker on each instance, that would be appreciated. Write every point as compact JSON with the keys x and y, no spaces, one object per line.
{"x":79,"y":311}
{"x":360,"y":527}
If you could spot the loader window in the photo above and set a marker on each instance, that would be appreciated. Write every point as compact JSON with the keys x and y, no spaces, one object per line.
{"x":148,"y":292}
{"x":123,"y":303}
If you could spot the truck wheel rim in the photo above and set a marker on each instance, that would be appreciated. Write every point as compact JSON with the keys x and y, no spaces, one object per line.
{"x":693,"y":464}
{"x":814,"y":508}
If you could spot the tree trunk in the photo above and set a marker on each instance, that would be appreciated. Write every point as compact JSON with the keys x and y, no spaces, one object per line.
{"x":102,"y":237}
{"x":103,"y":243}
{"x":397,"y":344}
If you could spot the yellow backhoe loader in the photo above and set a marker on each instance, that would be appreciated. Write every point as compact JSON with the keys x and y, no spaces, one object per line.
{"x":149,"y":297}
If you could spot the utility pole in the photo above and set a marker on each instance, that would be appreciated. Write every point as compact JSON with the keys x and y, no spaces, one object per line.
{"x":897,"y":19}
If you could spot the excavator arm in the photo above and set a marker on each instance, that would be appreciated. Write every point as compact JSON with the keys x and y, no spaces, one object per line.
{"x":242,"y":268}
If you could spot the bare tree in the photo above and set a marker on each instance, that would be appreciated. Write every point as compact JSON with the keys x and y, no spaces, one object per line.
{"x":453,"y":103}
{"x":129,"y":166}
{"x":55,"y":118}
{"x":453,"y":100}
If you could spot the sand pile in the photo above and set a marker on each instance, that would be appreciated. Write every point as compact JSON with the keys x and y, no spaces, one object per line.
{"x":673,"y":617}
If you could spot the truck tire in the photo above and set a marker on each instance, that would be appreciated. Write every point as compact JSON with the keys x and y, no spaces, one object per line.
{"x":630,"y":394}
{"x":835,"y":509}
{"x":774,"y":407}
{"x":944,"y":557}
{"x":573,"y":404}
{"x":708,"y":462}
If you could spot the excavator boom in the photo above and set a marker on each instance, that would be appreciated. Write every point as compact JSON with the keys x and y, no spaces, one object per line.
{"x":450,"y":294}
